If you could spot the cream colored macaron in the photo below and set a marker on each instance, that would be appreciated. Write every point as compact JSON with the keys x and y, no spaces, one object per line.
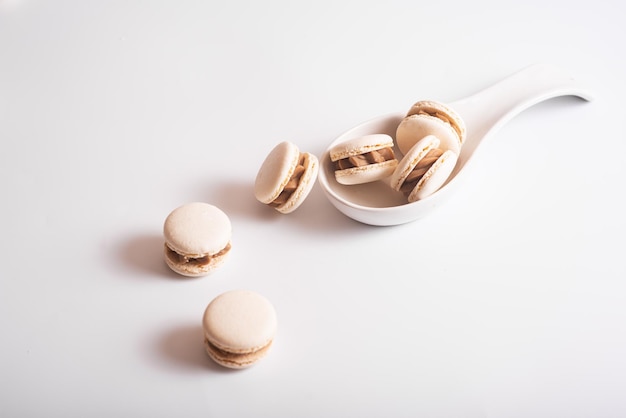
{"x":424,"y":169}
{"x":197,"y":239}
{"x":239,"y":328}
{"x":286,"y":177}
{"x":428,"y":117}
{"x":363,"y":159}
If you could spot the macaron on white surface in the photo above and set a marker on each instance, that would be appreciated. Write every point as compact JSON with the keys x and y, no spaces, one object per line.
{"x":197,"y":239}
{"x":428,"y":117}
{"x":363,"y":159}
{"x":424,"y":169}
{"x":239,"y":328}
{"x":286,"y":177}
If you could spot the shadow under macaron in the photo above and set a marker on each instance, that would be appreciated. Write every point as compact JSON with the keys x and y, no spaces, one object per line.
{"x":143,"y":254}
{"x":236,"y":199}
{"x":182,"y":348}
{"x":315,"y":215}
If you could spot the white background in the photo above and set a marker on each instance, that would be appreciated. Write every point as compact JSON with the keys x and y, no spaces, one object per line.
{"x":508,"y":301}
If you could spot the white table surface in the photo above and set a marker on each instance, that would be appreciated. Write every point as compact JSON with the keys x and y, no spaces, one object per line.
{"x":508,"y":301}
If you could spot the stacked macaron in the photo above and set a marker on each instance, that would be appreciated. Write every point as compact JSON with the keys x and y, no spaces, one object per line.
{"x":428,"y":117}
{"x":197,"y":239}
{"x":286,"y":177}
{"x":424,"y":169}
{"x":239,"y":328}
{"x":363,"y":159}
{"x":429,"y":138}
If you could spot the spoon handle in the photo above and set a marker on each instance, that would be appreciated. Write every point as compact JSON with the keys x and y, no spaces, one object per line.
{"x":489,"y":109}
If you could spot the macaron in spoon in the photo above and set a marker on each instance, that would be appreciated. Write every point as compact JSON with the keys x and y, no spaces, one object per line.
{"x":363,"y":159}
{"x":428,"y":117}
{"x":483,"y":113}
{"x":197,"y":239}
{"x":424,"y":169}
{"x":286,"y":177}
{"x":239,"y":328}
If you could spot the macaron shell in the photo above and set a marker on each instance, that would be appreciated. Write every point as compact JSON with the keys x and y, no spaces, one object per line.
{"x":276,"y":171}
{"x":360,"y":145}
{"x":311,"y":169}
{"x":366,"y":174}
{"x":446,"y":111}
{"x":197,"y":229}
{"x":415,"y":127}
{"x":411,"y":159}
{"x":239,"y":321}
{"x":435,"y":177}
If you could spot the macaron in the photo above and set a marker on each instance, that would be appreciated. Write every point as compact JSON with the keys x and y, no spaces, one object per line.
{"x":197,"y":239}
{"x":239,"y":328}
{"x":428,"y":117}
{"x":286,"y":177}
{"x":424,"y":169}
{"x":363,"y":159}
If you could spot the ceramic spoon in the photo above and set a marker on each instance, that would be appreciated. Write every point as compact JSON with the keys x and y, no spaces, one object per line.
{"x":483,"y":113}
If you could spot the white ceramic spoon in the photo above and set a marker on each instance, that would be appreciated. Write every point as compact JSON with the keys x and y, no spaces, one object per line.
{"x":483,"y":113}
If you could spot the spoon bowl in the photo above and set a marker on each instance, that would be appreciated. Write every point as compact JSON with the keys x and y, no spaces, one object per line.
{"x":483,"y":113}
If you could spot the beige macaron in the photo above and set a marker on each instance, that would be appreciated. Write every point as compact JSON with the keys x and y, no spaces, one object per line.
{"x":286,"y":177}
{"x":197,"y":239}
{"x":428,"y":117}
{"x":424,"y":169}
{"x":239,"y":328}
{"x":363,"y":159}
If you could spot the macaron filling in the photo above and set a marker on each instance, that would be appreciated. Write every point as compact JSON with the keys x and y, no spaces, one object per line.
{"x":419,"y":170}
{"x":292,"y":183}
{"x":201,"y":261}
{"x":367,"y":158}
{"x":235,"y":360}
